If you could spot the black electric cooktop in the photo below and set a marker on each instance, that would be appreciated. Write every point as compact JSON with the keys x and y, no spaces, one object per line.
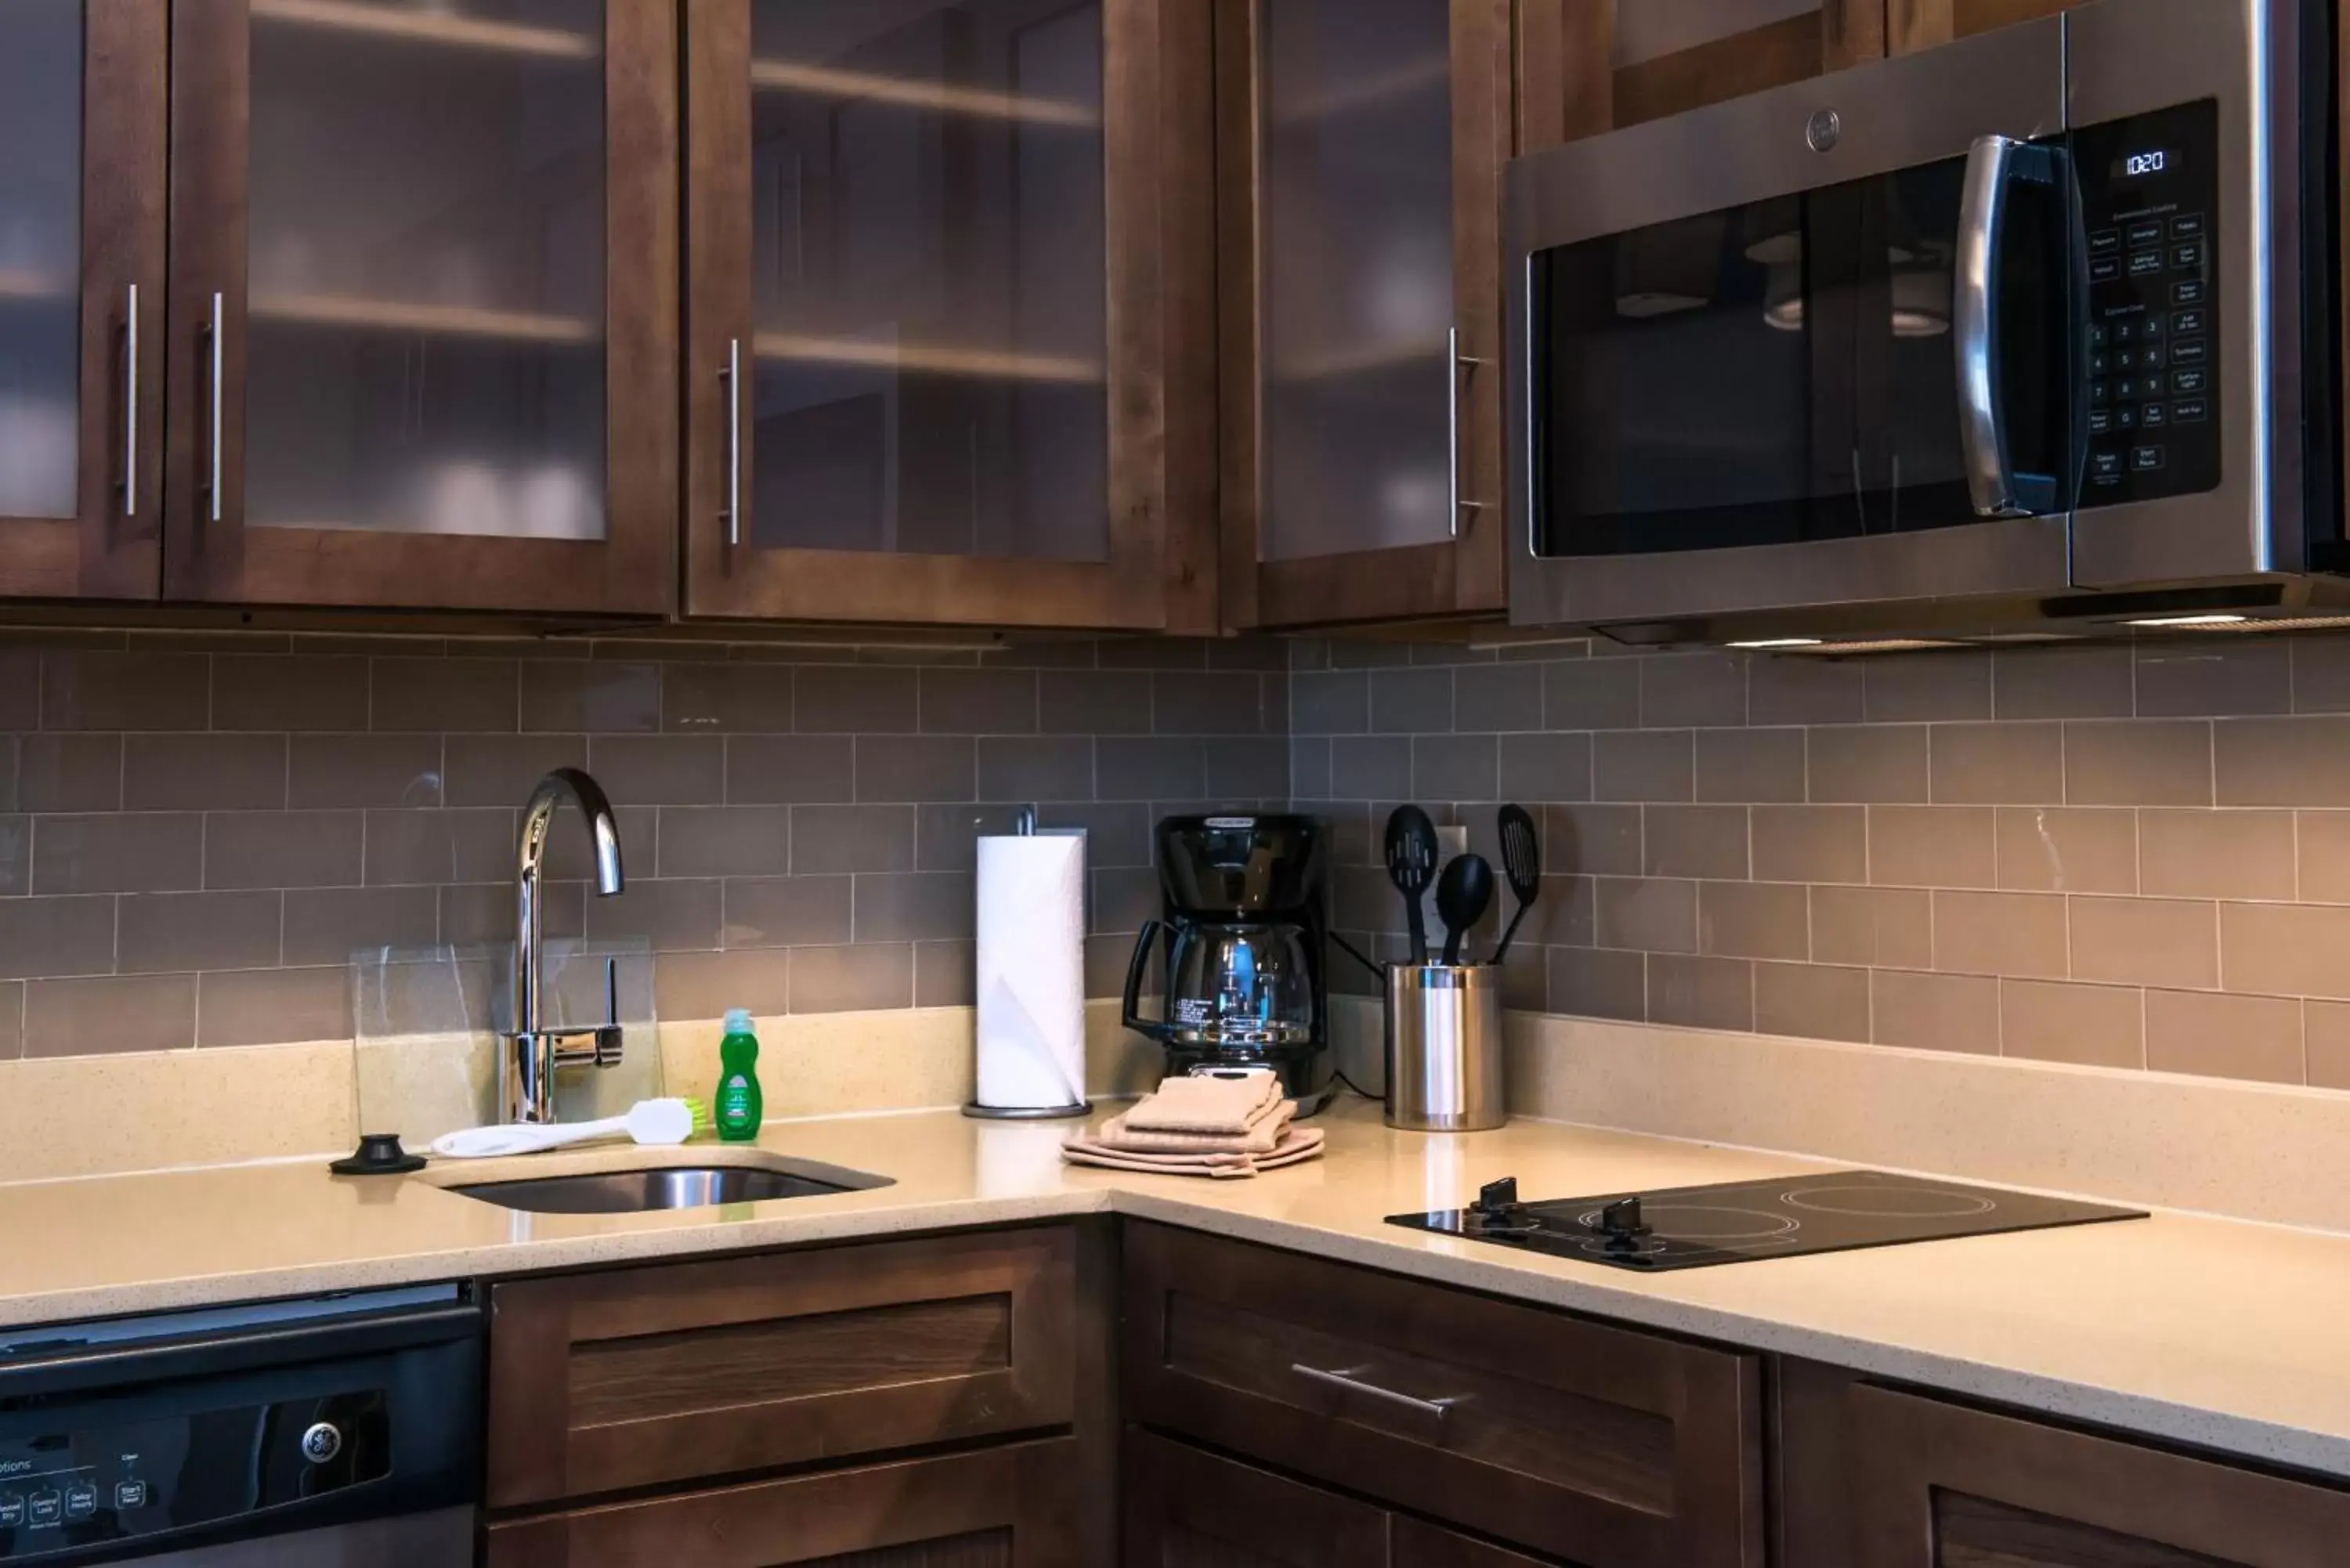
{"x":1745,"y":1221}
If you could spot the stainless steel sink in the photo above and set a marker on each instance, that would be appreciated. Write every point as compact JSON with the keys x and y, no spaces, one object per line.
{"x":670,"y":1186}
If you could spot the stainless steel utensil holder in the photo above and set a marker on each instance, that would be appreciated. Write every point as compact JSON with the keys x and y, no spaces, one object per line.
{"x":1443,"y":1033}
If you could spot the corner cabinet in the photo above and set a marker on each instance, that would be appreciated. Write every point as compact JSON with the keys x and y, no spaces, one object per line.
{"x":423,"y":304}
{"x":1359,"y":151}
{"x":81,"y":297}
{"x":949,"y":356}
{"x":1872,"y":1477}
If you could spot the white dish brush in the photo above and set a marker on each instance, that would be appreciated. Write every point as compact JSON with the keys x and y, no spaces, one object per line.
{"x":655,"y":1122}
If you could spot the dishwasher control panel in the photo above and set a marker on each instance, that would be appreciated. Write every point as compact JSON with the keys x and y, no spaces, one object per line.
{"x":110,"y":1481}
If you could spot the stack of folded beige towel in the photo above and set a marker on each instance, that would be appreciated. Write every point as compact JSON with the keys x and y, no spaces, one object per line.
{"x":1222,"y":1125}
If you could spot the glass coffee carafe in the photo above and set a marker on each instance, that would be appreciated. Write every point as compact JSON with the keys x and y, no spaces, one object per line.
{"x":1239,"y":990}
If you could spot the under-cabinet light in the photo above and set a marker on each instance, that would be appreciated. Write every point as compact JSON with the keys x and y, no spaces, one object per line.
{"x":2193,"y":621}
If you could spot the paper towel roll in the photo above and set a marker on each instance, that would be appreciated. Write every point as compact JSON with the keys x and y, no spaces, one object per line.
{"x":1031,"y":972}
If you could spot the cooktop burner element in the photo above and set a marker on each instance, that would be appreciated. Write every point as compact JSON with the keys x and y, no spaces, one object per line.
{"x":1738,"y":1222}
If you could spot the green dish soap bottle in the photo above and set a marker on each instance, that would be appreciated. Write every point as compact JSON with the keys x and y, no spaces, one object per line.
{"x":740,"y":1106}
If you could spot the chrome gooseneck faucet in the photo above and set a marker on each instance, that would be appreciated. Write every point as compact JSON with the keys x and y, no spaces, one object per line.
{"x":531,"y":1053}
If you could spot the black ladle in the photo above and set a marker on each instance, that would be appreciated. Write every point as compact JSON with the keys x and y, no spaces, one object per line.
{"x":1522,"y":864}
{"x":1411,"y":851}
{"x":1462,"y":895}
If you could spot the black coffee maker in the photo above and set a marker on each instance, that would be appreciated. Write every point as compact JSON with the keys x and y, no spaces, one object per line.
{"x":1243,"y":939}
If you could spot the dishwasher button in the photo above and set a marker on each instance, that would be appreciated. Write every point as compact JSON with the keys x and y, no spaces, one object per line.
{"x":81,"y":1499}
{"x":12,"y":1509}
{"x":130,"y":1494}
{"x":45,"y":1507}
{"x":322,"y":1442}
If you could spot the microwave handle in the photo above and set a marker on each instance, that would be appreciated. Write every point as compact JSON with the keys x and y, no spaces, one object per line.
{"x":1982,"y":436}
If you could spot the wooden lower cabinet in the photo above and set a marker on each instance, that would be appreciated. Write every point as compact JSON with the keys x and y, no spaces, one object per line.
{"x":1877,"y":1478}
{"x":1010,"y":1507}
{"x":1605,"y":1445}
{"x":676,"y":1373}
{"x":1187,"y":1508}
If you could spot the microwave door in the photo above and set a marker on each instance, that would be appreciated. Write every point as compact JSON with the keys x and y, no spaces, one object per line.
{"x":1733,"y":382}
{"x":2185,"y":129}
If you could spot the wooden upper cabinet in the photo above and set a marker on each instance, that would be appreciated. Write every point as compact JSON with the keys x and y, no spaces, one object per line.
{"x":949,"y":342}
{"x":1360,"y":154}
{"x":424,"y":299}
{"x":1914,"y":24}
{"x":1586,"y":67}
{"x":81,"y":297}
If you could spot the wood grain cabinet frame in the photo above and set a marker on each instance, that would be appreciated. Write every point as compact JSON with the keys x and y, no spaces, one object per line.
{"x":1466,"y":576}
{"x":681,"y":1373}
{"x":1607,"y":1446}
{"x":1570,"y":86}
{"x":1009,"y":1506}
{"x":1158,"y":571}
{"x":632,"y":568}
{"x":111,"y":548}
{"x":1876,"y":1477}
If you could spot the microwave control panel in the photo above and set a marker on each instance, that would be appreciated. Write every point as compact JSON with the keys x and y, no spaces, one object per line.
{"x":2149,"y":191}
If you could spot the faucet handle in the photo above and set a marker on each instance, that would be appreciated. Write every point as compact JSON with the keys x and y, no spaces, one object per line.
{"x":609,"y":1042}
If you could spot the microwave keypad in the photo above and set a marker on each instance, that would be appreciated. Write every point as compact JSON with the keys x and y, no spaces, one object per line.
{"x":2149,"y":193}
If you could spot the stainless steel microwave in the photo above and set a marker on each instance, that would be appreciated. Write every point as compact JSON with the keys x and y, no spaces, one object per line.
{"x":2036,"y":327}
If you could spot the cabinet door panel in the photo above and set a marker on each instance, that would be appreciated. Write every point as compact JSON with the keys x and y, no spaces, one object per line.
{"x":1010,"y":1507}
{"x":1939,"y":1486}
{"x":1912,"y":24}
{"x":81,"y":275}
{"x":1586,"y":69}
{"x":652,"y":1376}
{"x":1360,"y":292}
{"x":425,"y":279}
{"x":1415,"y":1543}
{"x":1189,"y":1509}
{"x":936,"y":248}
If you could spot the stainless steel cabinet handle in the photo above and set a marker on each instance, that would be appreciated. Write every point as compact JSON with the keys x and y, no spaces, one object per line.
{"x":1982,"y":440}
{"x":218,"y":333}
{"x":131,"y":404}
{"x":732,"y":376}
{"x":1454,"y":363}
{"x":1350,"y":1379}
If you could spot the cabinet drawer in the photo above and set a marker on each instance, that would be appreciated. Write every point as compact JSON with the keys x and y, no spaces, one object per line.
{"x":1608,"y":1447}
{"x":640,"y":1376}
{"x":1010,"y":1507}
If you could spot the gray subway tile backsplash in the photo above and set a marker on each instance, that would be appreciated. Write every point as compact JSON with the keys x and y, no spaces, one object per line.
{"x":2095,"y":853}
{"x":2134,"y":857}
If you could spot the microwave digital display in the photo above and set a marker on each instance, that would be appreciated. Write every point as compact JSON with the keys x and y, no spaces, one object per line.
{"x":2140,"y":165}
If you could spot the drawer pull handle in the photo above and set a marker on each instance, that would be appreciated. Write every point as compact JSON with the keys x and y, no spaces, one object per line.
{"x":1351,"y":1379}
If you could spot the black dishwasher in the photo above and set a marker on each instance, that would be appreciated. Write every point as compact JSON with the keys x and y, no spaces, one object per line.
{"x":338,"y":1431}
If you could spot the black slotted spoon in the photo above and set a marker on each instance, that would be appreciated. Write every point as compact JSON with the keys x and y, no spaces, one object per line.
{"x":1521,"y":866}
{"x":1411,"y":851}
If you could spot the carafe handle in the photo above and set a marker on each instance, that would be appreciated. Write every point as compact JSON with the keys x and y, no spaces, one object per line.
{"x":1148,"y":1028}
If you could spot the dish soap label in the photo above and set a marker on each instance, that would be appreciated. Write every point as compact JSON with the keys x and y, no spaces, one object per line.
{"x":740,"y":1107}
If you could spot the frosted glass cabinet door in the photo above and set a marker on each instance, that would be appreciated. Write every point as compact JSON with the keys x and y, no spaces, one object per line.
{"x":81,"y":297}
{"x":424,"y":283}
{"x":915,"y":229}
{"x":1363,"y":141}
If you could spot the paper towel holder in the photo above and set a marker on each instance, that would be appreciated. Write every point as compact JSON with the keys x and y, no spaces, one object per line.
{"x":1024,"y":825}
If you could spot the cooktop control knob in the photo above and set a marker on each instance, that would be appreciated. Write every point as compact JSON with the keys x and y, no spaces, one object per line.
{"x":1620,"y":1222}
{"x":1497,"y":1196}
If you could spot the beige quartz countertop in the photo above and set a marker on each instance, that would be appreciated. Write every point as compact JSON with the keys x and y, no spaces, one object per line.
{"x":2209,"y":1331}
